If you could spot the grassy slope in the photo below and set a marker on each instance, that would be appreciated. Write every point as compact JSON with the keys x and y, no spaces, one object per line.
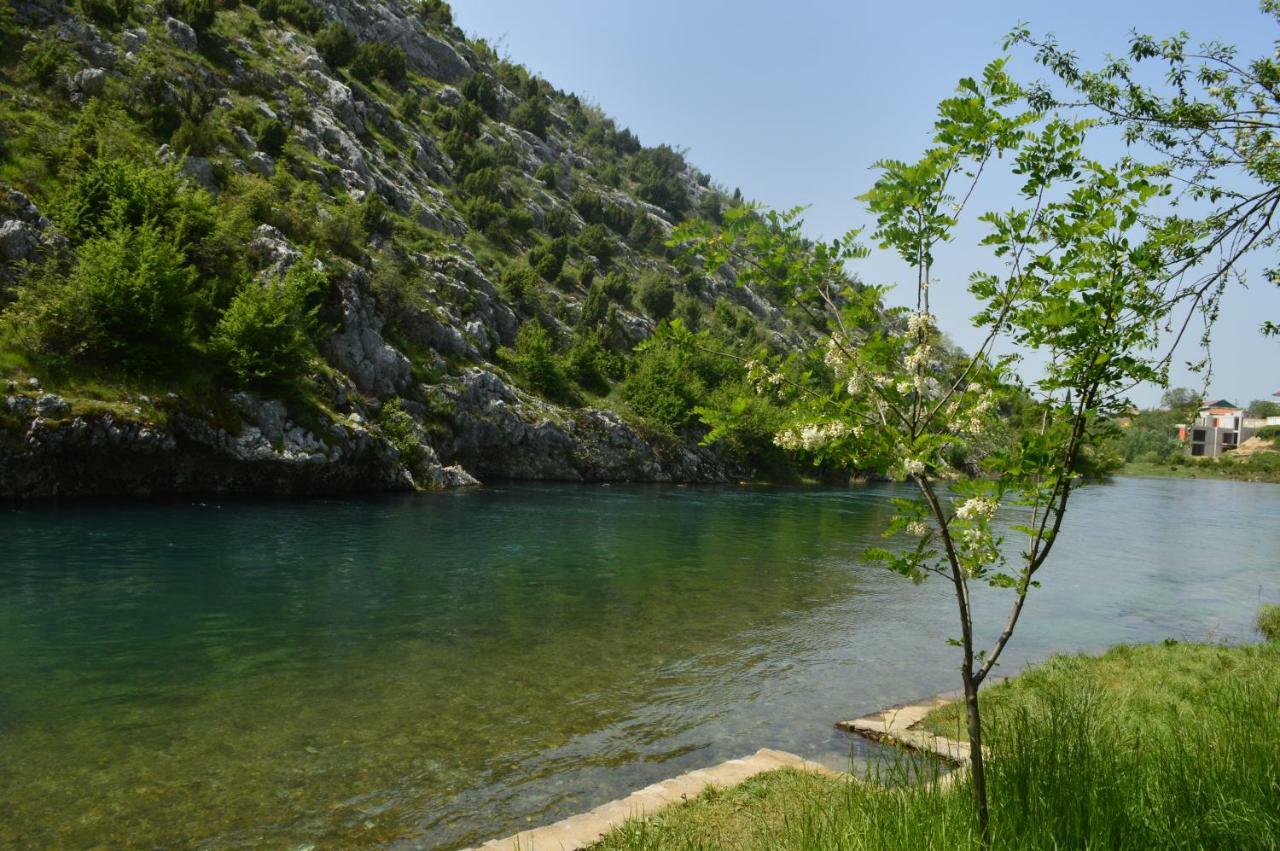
{"x":1164,"y":746}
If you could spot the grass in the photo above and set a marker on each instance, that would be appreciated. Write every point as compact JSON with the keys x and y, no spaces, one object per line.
{"x":1250,"y":470}
{"x":1159,"y":746}
{"x":1269,"y":622}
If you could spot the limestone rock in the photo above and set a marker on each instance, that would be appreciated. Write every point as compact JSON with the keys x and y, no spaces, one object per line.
{"x":50,"y":405}
{"x":358,"y":348}
{"x":181,"y":33}
{"x":19,"y":241}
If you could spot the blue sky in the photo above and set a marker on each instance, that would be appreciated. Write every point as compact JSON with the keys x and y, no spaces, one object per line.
{"x":794,"y":102}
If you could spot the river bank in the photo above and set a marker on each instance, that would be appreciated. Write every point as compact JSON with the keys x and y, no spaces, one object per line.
{"x":1149,"y":746}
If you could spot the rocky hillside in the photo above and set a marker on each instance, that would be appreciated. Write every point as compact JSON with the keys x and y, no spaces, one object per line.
{"x":320,"y":247}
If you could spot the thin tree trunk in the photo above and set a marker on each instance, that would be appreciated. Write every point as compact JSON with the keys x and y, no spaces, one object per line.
{"x":977,"y":768}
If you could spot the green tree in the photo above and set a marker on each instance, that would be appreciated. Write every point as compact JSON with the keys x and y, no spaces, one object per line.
{"x":264,"y":335}
{"x":656,"y":295}
{"x":536,"y":360}
{"x":1214,"y":116}
{"x":1179,"y":399}
{"x":1264,"y":408}
{"x":1080,"y":281}
{"x":336,"y":45}
{"x":125,"y":301}
{"x":533,"y":115}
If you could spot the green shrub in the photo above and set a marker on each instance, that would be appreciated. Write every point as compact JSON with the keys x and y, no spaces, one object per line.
{"x":263,"y":337}
{"x":126,"y":301}
{"x":478,"y":89}
{"x":596,"y":241}
{"x":9,"y":30}
{"x":197,"y":138}
{"x":437,"y":12}
{"x":532,"y":115}
{"x":656,"y":295}
{"x":343,"y":232}
{"x":43,"y":59}
{"x":336,"y":45}
{"x":411,"y":106}
{"x":617,"y":286}
{"x":111,"y":193}
{"x":546,"y":175}
{"x":536,"y":360}
{"x":668,"y":380}
{"x":548,"y":267}
{"x":589,"y":364}
{"x":1269,"y":622}
{"x":595,"y":307}
{"x":558,"y":222}
{"x":657,"y":174}
{"x":300,"y":13}
{"x":198,"y":14}
{"x":271,"y":136}
{"x":1269,"y":433}
{"x":399,"y":427}
{"x":377,"y":59}
{"x":106,"y":13}
{"x":484,"y":183}
{"x":518,"y":283}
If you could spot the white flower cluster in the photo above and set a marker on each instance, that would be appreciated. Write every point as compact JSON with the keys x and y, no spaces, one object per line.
{"x":919,"y":357}
{"x":921,"y":324}
{"x":913,"y":466}
{"x":763,"y":378}
{"x":977,"y":508}
{"x":918,"y":528}
{"x":812,"y":436}
{"x":835,"y":356}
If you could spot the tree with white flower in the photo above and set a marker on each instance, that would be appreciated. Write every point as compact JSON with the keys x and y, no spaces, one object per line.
{"x":1077,"y":275}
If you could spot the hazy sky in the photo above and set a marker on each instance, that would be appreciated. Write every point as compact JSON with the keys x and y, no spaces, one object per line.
{"x":794,"y":102}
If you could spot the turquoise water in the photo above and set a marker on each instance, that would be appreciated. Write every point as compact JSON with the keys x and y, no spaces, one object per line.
{"x":433,"y":670}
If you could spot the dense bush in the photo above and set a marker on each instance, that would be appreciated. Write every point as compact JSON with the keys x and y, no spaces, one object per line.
{"x":590,"y":364}
{"x":271,"y":136}
{"x":398,"y":426}
{"x":43,"y":59}
{"x":518,"y":283}
{"x":263,"y":337}
{"x":198,"y":14}
{"x":478,"y":89}
{"x":437,"y":12}
{"x":376,"y":59}
{"x":596,"y":241}
{"x":657,"y":175}
{"x":300,"y":13}
{"x":110,"y":194}
{"x":336,"y":45}
{"x":106,"y":13}
{"x":668,"y":380}
{"x":656,"y":295}
{"x":532,"y":115}
{"x":126,"y":300}
{"x":536,"y":360}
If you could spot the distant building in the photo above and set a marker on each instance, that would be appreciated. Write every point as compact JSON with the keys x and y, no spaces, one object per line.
{"x":1219,"y":427}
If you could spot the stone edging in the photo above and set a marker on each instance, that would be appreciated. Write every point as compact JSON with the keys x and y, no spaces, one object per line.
{"x":898,"y":725}
{"x":585,"y":828}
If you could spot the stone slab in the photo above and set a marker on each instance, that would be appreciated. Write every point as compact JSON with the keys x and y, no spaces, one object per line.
{"x":581,"y":830}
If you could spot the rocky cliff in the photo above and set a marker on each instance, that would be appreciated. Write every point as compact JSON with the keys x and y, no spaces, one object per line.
{"x":451,"y":199}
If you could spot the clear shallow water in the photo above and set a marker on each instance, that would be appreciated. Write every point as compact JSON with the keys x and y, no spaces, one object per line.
{"x":435,"y":670}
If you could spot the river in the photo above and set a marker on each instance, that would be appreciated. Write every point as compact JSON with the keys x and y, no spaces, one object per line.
{"x":432,"y":670}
